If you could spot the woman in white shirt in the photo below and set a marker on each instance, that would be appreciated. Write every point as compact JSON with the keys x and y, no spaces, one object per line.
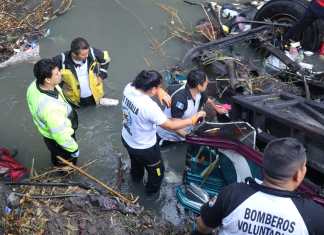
{"x":141,"y":116}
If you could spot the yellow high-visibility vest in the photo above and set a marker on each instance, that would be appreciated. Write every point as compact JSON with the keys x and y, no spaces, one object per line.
{"x":50,"y":116}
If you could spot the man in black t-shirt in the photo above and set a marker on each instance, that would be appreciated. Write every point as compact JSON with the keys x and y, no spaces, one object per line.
{"x":268,"y":208}
{"x":187,"y":101}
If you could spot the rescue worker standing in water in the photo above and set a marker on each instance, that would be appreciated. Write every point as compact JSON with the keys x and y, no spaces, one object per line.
{"x":141,"y":116}
{"x":53,"y":116}
{"x":83,"y":70}
{"x":187,"y":101}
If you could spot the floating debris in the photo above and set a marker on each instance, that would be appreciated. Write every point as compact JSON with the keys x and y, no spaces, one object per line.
{"x":22,"y":26}
{"x":50,"y":203}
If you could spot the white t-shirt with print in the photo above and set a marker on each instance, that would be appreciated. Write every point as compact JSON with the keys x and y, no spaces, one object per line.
{"x":141,"y":116}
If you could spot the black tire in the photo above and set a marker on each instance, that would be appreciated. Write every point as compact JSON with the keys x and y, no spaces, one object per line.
{"x":290,"y":11}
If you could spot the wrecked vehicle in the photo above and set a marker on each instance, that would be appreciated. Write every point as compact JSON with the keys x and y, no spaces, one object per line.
{"x":220,"y":154}
{"x":279,"y":115}
{"x":263,"y":28}
{"x":270,"y":105}
{"x":287,"y":11}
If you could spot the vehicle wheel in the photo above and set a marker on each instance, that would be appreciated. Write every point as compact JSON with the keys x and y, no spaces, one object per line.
{"x":290,"y":11}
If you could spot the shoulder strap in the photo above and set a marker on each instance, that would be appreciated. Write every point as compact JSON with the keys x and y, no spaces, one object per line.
{"x":179,"y":89}
{"x":63,"y":60}
{"x":93,"y":54}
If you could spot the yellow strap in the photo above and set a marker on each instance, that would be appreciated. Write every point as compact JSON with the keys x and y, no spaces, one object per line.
{"x":106,"y":57}
{"x":158,"y":171}
{"x":63,"y":60}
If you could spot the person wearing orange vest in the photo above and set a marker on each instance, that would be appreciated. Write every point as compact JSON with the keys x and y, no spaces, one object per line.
{"x":314,"y":11}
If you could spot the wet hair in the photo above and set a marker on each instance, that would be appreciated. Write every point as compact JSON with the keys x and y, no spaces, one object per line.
{"x":79,"y":44}
{"x":196,"y":77}
{"x":283,"y":157}
{"x":43,"y":69}
{"x":146,"y":80}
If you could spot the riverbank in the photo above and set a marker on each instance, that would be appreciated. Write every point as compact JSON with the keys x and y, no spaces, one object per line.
{"x":52,"y":204}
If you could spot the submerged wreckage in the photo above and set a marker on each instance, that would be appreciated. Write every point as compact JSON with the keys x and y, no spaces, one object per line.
{"x":284,"y":100}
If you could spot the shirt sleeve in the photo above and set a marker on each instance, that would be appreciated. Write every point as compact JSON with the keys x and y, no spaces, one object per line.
{"x":155,"y":114}
{"x":178,"y":106}
{"x":317,"y":219}
{"x":312,"y":214}
{"x":212,"y":212}
{"x":103,"y":58}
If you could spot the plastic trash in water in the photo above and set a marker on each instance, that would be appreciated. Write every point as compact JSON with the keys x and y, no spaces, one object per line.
{"x":47,"y":33}
{"x":108,"y":102}
{"x":292,"y":53}
{"x":308,"y":53}
{"x":7,"y":210}
{"x":296,"y":52}
{"x":242,"y":26}
{"x":306,"y":65}
{"x":29,"y":54}
{"x":228,"y":13}
{"x":273,"y":64}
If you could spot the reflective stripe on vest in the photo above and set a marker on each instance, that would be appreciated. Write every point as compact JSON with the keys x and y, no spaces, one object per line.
{"x":68,"y":143}
{"x":48,"y":101}
{"x":63,"y":60}
{"x":179,"y":89}
{"x":60,"y":128}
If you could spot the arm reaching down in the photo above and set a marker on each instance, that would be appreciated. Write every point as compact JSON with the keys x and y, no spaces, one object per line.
{"x":176,"y":124}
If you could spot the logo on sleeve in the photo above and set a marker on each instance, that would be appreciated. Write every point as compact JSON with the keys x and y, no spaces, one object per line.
{"x":179,"y":105}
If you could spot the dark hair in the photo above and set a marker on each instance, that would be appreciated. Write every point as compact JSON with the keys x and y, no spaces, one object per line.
{"x":283,"y":157}
{"x":146,"y":80}
{"x":79,"y":44}
{"x":43,"y":69}
{"x":196,"y":77}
